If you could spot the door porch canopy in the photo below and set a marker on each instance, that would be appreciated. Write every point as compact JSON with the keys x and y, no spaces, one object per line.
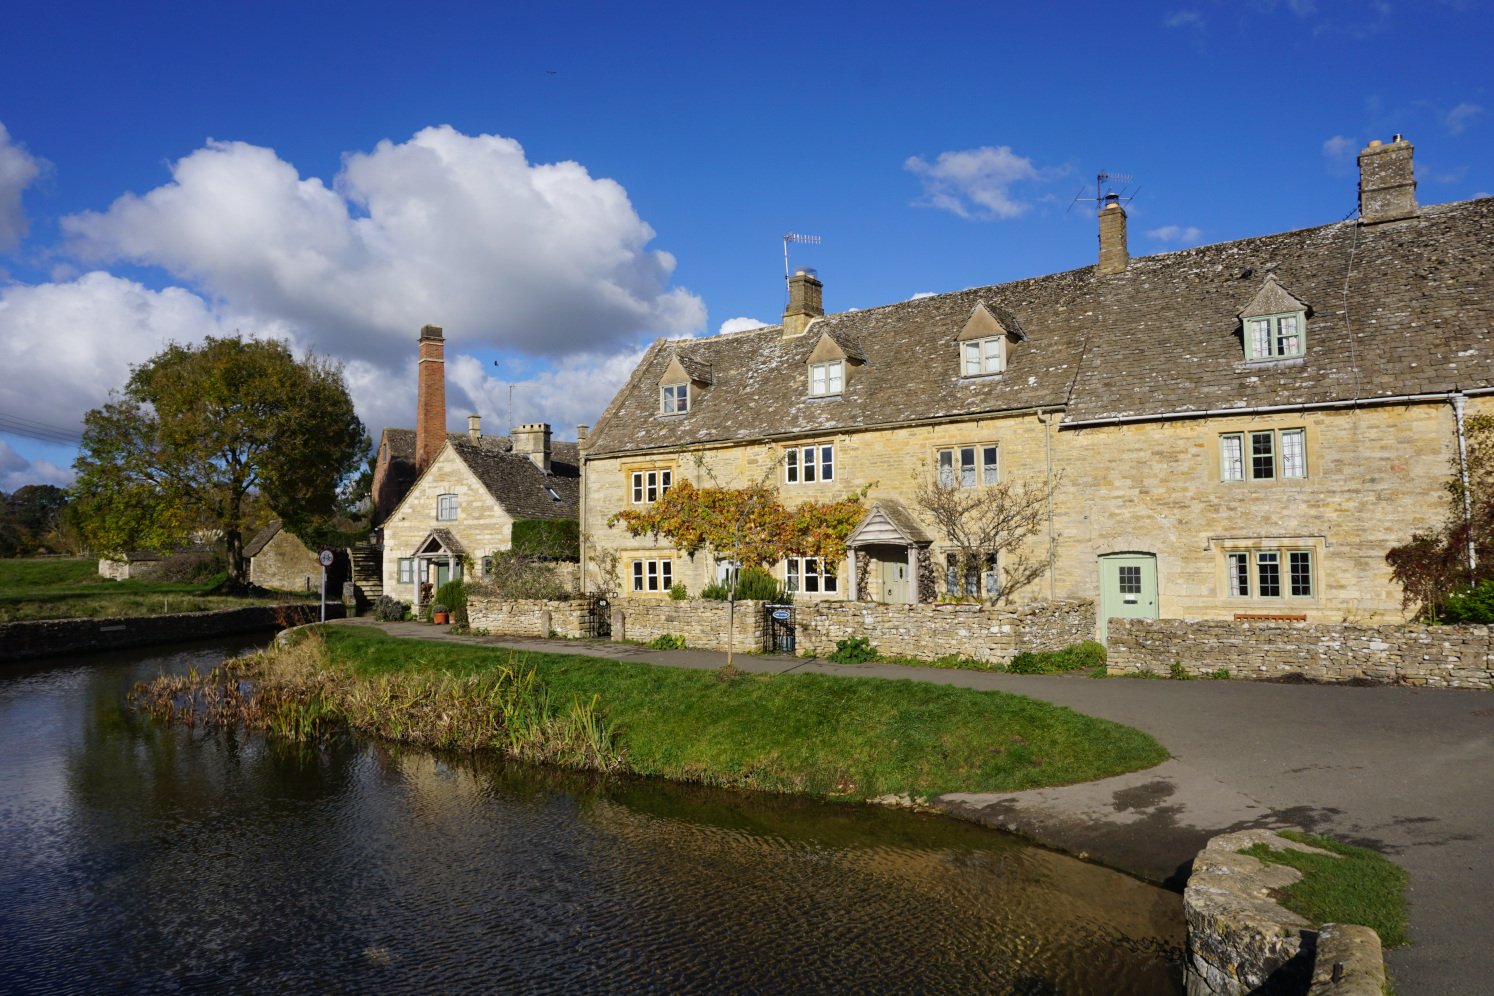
{"x":889,"y":524}
{"x":439,"y":546}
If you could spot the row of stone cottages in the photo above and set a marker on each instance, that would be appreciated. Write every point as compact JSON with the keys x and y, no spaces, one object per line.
{"x":1239,"y":429}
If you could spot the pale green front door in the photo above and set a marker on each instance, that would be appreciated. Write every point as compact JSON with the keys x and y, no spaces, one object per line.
{"x":894,"y":581}
{"x":443,"y":572}
{"x":1128,"y":588}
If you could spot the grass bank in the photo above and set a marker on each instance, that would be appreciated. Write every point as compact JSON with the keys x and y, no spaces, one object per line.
{"x":69,"y":588}
{"x":1347,"y":885}
{"x":839,"y":737}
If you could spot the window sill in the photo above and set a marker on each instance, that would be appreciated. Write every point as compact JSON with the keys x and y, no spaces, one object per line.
{"x":1273,"y":361}
{"x":972,"y":378}
{"x":824,"y":397}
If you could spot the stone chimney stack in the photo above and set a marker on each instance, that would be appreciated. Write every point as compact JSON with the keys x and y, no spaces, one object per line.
{"x":1114,"y":257}
{"x":430,"y":405}
{"x":805,"y":303}
{"x":1387,"y":184}
{"x":474,"y":427}
{"x":582,"y":431}
{"x":532,"y":439}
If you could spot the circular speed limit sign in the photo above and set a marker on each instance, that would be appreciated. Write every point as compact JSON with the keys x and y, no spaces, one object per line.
{"x":326,"y":558}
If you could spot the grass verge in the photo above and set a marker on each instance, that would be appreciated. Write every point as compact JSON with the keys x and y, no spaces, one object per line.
{"x":1349,"y":885}
{"x":66,"y":588}
{"x":838,"y":737}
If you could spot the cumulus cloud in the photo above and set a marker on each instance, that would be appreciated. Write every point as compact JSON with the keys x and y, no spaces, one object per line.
{"x":740,"y":325}
{"x":16,"y":471}
{"x":573,"y":393}
{"x":69,"y":344}
{"x":1184,"y":19}
{"x":1456,"y":121}
{"x":17,"y":169}
{"x":975,"y":183}
{"x":1181,"y":235}
{"x":923,"y":294}
{"x":462,"y":231}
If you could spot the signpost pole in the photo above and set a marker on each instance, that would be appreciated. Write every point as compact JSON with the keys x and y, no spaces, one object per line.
{"x":325,"y":559}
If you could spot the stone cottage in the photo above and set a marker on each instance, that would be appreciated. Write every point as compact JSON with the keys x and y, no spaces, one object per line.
{"x":1238,"y":429}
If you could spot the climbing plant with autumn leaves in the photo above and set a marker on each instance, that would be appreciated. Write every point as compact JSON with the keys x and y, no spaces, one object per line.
{"x":747,"y":524}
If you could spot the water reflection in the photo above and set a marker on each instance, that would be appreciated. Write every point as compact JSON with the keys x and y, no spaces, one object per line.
{"x":145,"y":858}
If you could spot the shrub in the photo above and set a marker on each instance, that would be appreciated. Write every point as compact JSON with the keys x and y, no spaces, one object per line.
{"x":1081,"y":656}
{"x":753,"y":583}
{"x":390,"y":609}
{"x":678,"y":592}
{"x":667,"y":641}
{"x":854,"y":650}
{"x":187,"y":567}
{"x":514,"y":574}
{"x":1470,"y":605}
{"x":548,"y":539}
{"x":453,"y":595}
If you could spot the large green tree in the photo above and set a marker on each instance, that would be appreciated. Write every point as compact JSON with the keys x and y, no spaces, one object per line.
{"x":199,"y":430}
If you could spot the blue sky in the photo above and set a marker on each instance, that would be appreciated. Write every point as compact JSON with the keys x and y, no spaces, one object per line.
{"x":558,"y":184}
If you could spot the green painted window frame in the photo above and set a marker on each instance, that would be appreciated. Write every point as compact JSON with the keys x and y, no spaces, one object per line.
{"x":406,"y":569}
{"x":834,"y":382}
{"x":448,"y":507}
{"x":988,"y":355}
{"x":1286,"y":462}
{"x":1274,"y":334}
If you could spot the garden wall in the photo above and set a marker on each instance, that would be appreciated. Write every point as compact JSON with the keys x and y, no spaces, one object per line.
{"x":1437,"y":656}
{"x":528,"y":616}
{"x":701,"y":621}
{"x":53,"y":637}
{"x":984,"y":632}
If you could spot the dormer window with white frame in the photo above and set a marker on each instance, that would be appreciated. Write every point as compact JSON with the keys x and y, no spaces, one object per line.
{"x":984,"y":340}
{"x":1274,"y":324}
{"x":674,"y":399}
{"x":827,"y":378}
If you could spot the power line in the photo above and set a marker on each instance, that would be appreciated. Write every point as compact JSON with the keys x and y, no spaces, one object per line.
{"x":21,"y":426}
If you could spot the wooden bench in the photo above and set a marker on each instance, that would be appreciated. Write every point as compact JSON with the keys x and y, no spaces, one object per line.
{"x":1271,"y":616}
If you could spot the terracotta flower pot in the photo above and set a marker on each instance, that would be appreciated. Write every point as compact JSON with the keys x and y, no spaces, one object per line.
{"x":440,"y":618}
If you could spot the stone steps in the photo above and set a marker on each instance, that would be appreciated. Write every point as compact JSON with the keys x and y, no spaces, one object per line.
{"x":368,"y":572}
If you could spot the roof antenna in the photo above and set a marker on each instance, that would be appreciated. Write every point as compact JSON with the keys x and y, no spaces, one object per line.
{"x":1101,"y":179}
{"x":797,"y":239}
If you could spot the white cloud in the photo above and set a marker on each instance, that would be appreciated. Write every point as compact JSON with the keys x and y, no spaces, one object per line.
{"x":1184,"y":19}
{"x":17,"y":169}
{"x":974,"y":183}
{"x":572,"y":394}
{"x":457,"y":230}
{"x":17,"y":471}
{"x":1456,"y":120}
{"x":923,"y":294}
{"x":740,"y":325}
{"x":1175,"y":234}
{"x":1339,"y":147}
{"x":68,"y":344}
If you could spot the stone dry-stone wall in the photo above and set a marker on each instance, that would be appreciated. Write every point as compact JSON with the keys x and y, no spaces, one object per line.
{"x":984,"y":632}
{"x":52,"y":637}
{"x":1240,"y":940}
{"x":527,"y":617}
{"x":701,"y":621}
{"x":1439,"y":656}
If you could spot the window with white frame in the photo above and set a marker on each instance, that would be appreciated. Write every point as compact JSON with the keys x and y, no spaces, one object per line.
{"x":1269,"y":573}
{"x":653,"y":575}
{"x":982,"y":356}
{"x":1275,"y":337}
{"x":808,"y":464}
{"x":674,"y":399}
{"x":650,"y":485}
{"x":446,"y":508}
{"x":968,"y":466}
{"x":1263,"y":455}
{"x":407,"y":570}
{"x":980,"y":576}
{"x":827,"y":378}
{"x":810,"y":575}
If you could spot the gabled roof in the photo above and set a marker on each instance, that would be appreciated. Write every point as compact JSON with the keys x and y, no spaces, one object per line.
{"x":888,"y":521}
{"x":1162,"y":337}
{"x":262,"y":538}
{"x":520,"y":490}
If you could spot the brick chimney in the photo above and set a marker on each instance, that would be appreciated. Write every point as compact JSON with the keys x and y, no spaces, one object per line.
{"x":805,"y":303}
{"x":1114,"y":258}
{"x":430,"y":405}
{"x":1387,"y":184}
{"x":532,"y":439}
{"x":474,"y":427}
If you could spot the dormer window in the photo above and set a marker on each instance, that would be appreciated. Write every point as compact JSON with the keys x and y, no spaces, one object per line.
{"x":674,"y":399}
{"x":1274,"y":324}
{"x":983,"y":356}
{"x":826,"y":378}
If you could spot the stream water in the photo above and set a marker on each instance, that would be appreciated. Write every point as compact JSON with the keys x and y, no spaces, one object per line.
{"x":141,"y":858}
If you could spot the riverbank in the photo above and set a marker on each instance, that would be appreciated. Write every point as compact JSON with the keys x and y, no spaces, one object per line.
{"x":1407,"y":772}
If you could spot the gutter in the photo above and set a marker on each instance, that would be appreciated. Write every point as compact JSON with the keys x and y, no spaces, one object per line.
{"x":1396,"y":399}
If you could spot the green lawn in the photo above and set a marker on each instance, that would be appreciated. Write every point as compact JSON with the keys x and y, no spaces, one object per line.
{"x":1348,"y":885}
{"x":65,"y":588}
{"x":845,"y":737}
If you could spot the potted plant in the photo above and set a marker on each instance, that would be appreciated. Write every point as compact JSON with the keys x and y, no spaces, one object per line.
{"x":440,"y":614}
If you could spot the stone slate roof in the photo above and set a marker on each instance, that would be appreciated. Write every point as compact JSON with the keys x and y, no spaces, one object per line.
{"x":262,"y":538}
{"x":512,"y":479}
{"x":1161,"y":338}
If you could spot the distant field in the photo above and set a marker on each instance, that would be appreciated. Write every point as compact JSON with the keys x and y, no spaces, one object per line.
{"x":58,"y":588}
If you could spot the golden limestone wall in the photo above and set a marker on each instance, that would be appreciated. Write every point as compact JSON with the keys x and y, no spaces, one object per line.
{"x":1373,"y":477}
{"x":481,"y":525}
{"x":888,"y":460}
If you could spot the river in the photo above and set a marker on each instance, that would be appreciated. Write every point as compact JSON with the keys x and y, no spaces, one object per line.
{"x":143,"y":858}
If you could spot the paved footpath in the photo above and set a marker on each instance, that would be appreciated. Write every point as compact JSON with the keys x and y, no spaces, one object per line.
{"x":1406,"y":771}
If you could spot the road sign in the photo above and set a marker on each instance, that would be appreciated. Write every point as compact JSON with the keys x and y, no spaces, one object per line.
{"x":326,"y":557}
